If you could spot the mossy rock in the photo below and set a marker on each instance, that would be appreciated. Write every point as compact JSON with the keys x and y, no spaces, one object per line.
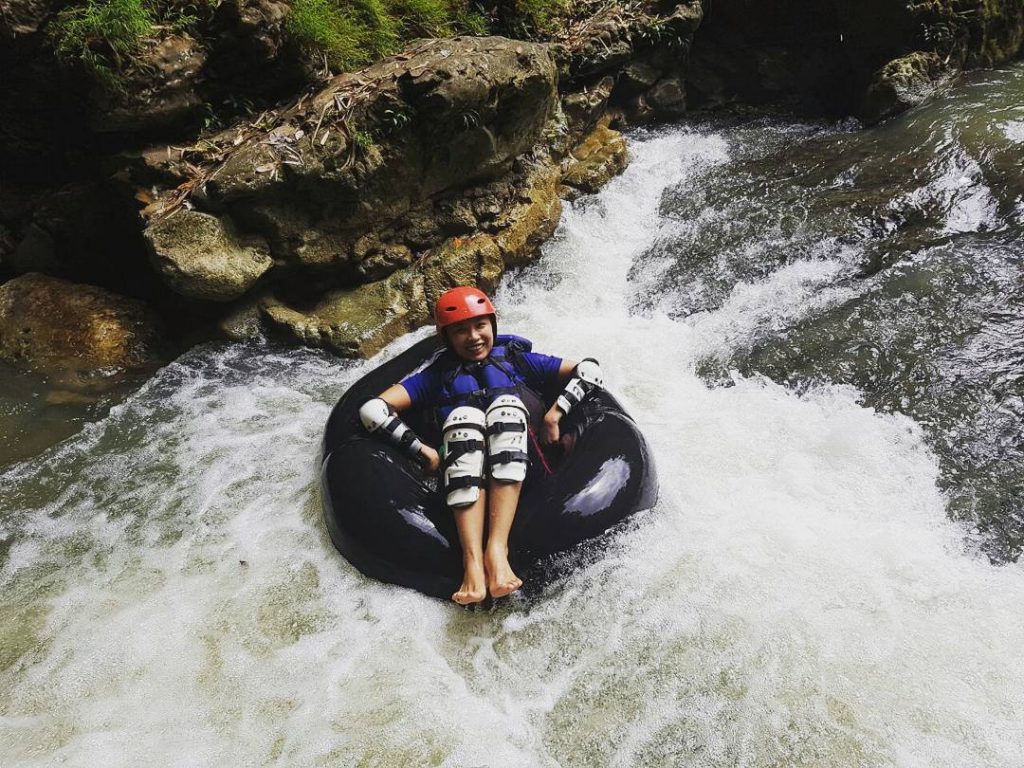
{"x":602,"y":155}
{"x":903,"y":83}
{"x":53,"y":325}
{"x":203,"y":257}
{"x":355,"y":322}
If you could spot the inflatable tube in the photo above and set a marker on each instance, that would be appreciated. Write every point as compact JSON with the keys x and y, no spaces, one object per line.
{"x":388,"y":518}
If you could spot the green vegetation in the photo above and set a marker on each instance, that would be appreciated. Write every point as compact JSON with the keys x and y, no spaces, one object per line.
{"x":352,"y":33}
{"x":535,"y":17}
{"x":104,"y":36}
{"x":363,"y":140}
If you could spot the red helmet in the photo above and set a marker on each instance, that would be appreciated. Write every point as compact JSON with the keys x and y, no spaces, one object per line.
{"x":460,"y":304}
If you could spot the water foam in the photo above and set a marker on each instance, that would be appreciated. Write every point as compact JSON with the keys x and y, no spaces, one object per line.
{"x":797,"y":597}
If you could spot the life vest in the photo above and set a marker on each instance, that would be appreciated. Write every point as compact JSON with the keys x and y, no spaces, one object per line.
{"x":478,"y":384}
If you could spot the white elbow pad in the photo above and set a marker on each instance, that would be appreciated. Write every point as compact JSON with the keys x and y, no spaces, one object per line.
{"x":376,"y":416}
{"x":586,"y":377}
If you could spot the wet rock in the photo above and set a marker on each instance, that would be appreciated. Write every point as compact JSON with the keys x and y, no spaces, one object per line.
{"x":823,"y":56}
{"x":244,"y":320}
{"x":355,"y":322}
{"x":36,"y":252}
{"x":668,"y":97}
{"x":601,"y":156}
{"x":525,"y":226}
{"x":383,"y":260}
{"x":685,"y":18}
{"x":84,"y":232}
{"x":203,"y":257}
{"x":636,"y":111}
{"x":358,"y":322}
{"x":49,"y":324}
{"x":903,"y":83}
{"x":473,"y":261}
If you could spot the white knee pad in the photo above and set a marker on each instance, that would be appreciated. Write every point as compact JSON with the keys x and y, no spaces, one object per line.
{"x":506,"y":438}
{"x":464,"y":455}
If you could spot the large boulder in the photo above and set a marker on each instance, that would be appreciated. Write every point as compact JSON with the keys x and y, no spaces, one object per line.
{"x":332,"y":181}
{"x":359,"y":321}
{"x":355,"y":322}
{"x":903,"y":83}
{"x":49,"y":324}
{"x":202,"y":257}
{"x":522,"y":228}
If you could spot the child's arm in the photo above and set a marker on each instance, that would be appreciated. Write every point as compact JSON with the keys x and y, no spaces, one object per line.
{"x":397,"y":397}
{"x":554,"y":415}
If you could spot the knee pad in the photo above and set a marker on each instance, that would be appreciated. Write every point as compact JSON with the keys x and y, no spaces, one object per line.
{"x":463,"y":440}
{"x":506,"y":438}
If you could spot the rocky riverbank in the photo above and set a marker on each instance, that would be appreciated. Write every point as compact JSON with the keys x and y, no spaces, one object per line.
{"x":334,"y":216}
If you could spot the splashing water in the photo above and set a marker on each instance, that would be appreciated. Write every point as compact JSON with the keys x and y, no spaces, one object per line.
{"x":798,"y":597}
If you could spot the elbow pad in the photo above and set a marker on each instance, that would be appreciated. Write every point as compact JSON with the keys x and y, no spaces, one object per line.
{"x":376,"y":416}
{"x":586,"y":378}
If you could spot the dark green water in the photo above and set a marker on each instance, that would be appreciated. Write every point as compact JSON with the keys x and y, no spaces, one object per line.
{"x":37,"y":412}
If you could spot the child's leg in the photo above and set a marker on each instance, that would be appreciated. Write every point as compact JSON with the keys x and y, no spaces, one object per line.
{"x":463,"y":436}
{"x":470,"y":523}
{"x":503,"y":498}
{"x":507,"y":425}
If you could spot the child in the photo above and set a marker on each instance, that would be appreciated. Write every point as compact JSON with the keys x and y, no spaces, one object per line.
{"x":484,"y":387}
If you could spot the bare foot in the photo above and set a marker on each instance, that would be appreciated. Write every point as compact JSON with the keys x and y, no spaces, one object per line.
{"x":473,"y":584}
{"x":501,"y":579}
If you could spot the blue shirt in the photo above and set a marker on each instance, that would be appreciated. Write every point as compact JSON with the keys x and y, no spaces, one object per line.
{"x":424,"y":388}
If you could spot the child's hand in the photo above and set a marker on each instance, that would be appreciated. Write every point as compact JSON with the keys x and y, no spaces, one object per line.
{"x":551,"y":431}
{"x":431,"y":459}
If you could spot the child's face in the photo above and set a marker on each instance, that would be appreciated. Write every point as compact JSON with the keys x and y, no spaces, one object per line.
{"x":472,"y":339}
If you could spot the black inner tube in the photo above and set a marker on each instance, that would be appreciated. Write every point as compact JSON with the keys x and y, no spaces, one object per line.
{"x":388,"y":517}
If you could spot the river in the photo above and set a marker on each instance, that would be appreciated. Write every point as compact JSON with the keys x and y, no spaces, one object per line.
{"x":821,"y":331}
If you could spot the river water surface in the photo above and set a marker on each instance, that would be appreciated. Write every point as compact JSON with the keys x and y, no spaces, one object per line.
{"x":821,"y":331}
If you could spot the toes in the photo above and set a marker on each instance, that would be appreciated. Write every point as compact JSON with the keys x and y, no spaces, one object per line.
{"x":468,"y":596}
{"x":506,"y":587}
